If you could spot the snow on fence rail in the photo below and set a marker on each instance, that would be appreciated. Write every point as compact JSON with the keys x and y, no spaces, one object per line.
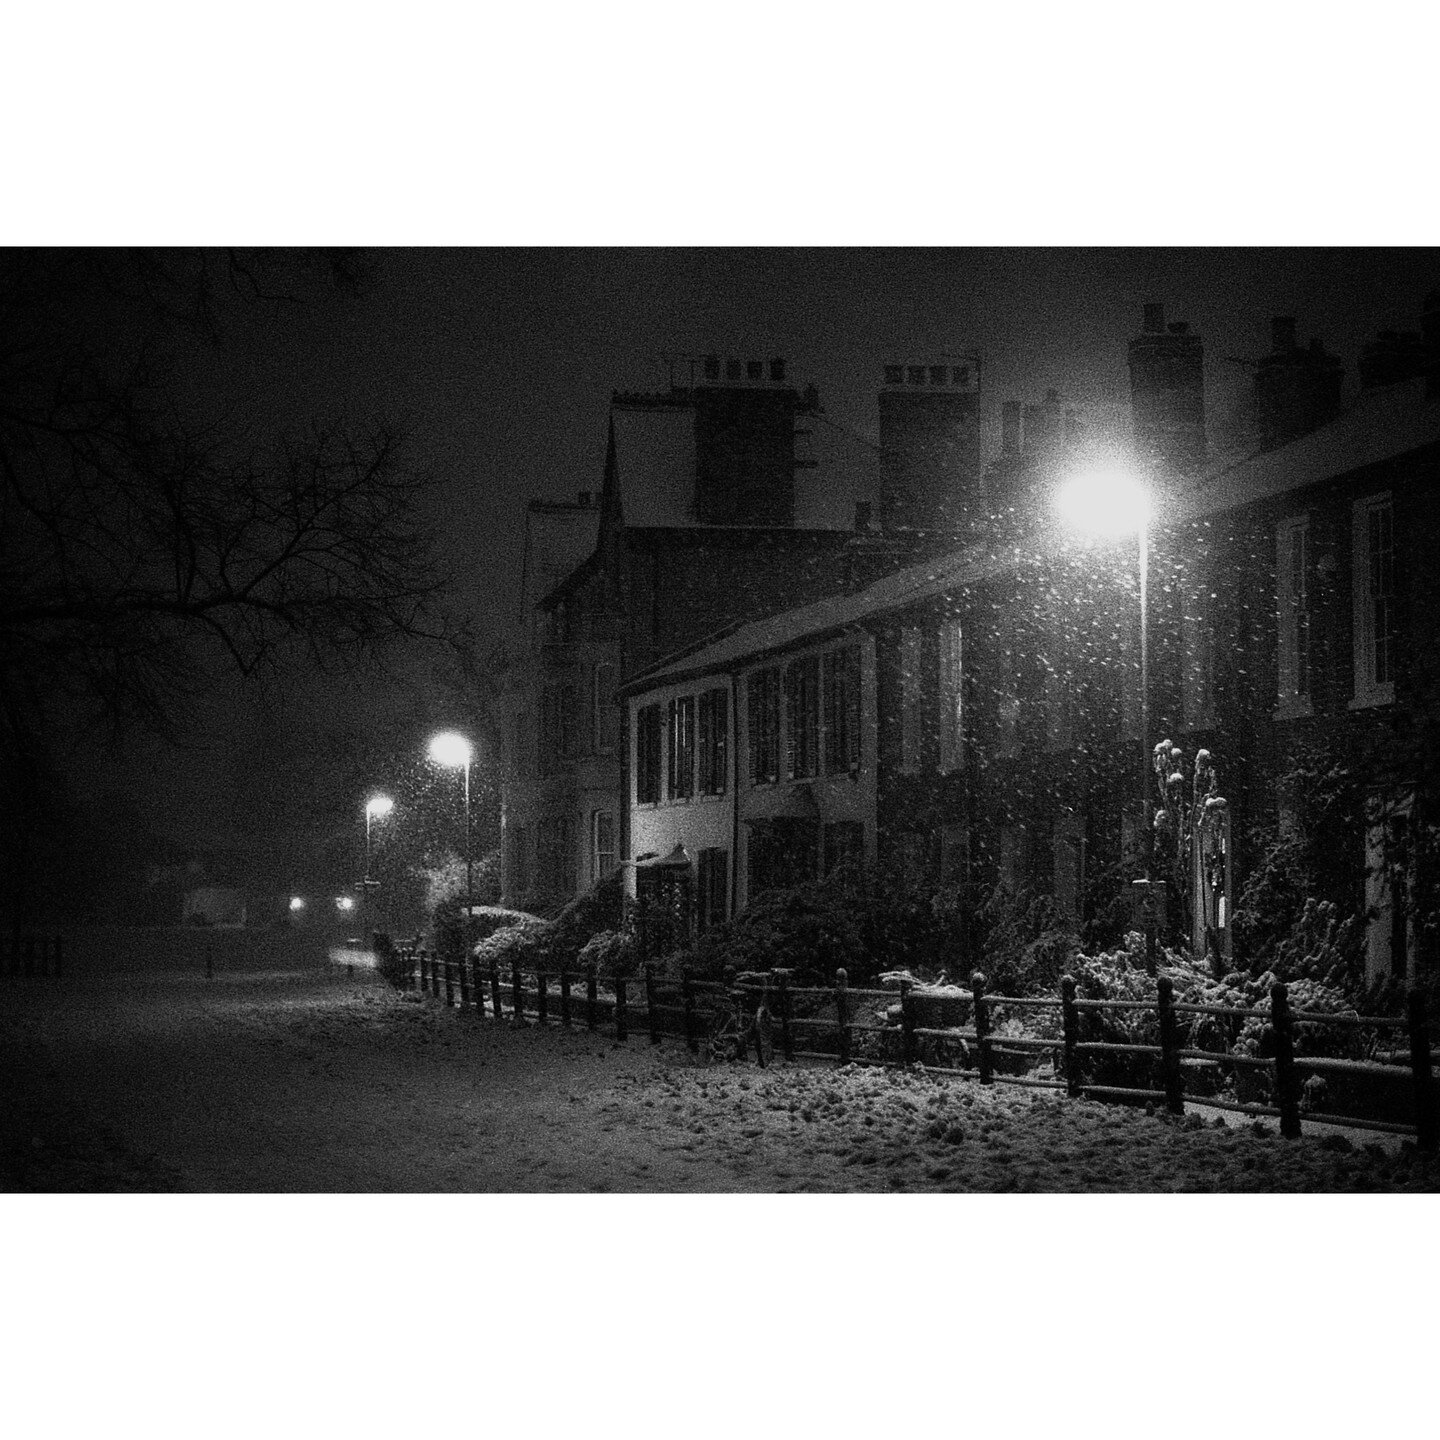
{"x":827,"y":1013}
{"x":32,"y":955}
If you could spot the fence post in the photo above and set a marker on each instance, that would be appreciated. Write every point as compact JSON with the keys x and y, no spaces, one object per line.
{"x":621,"y":1033}
{"x":496,"y":995}
{"x":1169,"y":1047}
{"x":842,"y":1014}
{"x":1070,"y":1018}
{"x":590,"y":1001}
{"x":463,"y":960}
{"x":687,"y":994}
{"x":565,"y":998}
{"x":907,"y":1025}
{"x":652,"y":1015}
{"x":982,"y":1029}
{"x":1427,"y":1130}
{"x":447,"y":959}
{"x":517,"y":995}
{"x":787,"y":1040}
{"x":542,"y":997}
{"x":1287,"y":1091}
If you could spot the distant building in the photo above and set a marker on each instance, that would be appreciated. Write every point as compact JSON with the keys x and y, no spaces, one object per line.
{"x":728,"y":496}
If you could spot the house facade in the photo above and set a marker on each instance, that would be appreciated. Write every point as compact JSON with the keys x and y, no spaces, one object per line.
{"x":984,"y":723}
{"x":730,"y":496}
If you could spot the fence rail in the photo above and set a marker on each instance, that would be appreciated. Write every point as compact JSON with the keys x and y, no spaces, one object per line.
{"x":688,"y":1008}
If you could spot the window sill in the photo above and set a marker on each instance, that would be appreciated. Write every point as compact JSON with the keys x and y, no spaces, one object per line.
{"x":1372,"y":699}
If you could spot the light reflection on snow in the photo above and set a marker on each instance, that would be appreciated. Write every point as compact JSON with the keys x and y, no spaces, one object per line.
{"x":353,"y":955}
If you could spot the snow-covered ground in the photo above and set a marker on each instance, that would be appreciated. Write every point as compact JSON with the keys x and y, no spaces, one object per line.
{"x":312,"y":1079}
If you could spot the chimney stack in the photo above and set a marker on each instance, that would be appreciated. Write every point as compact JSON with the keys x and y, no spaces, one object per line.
{"x":1296,"y":391}
{"x":1167,"y":392}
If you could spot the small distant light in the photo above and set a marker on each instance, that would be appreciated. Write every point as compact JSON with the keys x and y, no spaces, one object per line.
{"x":344,"y":902}
{"x":296,"y":903}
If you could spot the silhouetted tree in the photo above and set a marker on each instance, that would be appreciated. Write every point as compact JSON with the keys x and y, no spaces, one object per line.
{"x":146,"y":548}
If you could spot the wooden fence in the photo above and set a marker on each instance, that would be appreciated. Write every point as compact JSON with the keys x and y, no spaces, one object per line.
{"x":32,"y":955}
{"x":828,"y":1016}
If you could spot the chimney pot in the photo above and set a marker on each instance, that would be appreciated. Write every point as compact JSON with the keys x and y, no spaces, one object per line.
{"x":777,"y":370}
{"x":1154,"y":319}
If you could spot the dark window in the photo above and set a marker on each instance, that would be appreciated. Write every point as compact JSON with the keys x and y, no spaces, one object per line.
{"x":714,"y":741}
{"x":555,"y":855}
{"x":712,"y":887}
{"x":647,"y":755}
{"x":569,"y":738}
{"x":844,"y":844}
{"x":782,"y":854}
{"x":763,"y":725}
{"x":682,"y":747}
{"x":732,"y":370}
{"x":802,"y":704}
{"x":842,"y":710}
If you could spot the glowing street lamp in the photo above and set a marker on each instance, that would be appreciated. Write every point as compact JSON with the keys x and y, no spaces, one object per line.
{"x":377,"y":807}
{"x":454,"y":751}
{"x":1112,"y":501}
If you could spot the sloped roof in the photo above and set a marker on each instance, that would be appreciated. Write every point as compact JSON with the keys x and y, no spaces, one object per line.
{"x":1384,"y":422}
{"x":775,"y":632}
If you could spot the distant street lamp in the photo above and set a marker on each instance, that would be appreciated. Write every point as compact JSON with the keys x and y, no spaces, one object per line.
{"x":1113,"y":502}
{"x":454,"y":751}
{"x":377,"y":807}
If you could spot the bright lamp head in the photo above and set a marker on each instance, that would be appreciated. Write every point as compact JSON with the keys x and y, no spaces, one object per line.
{"x":450,"y":748}
{"x":1105,"y":502}
{"x":377,"y":807}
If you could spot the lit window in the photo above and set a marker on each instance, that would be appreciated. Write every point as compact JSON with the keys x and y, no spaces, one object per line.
{"x":602,"y":844}
{"x":1374,"y":592}
{"x":682,"y":747}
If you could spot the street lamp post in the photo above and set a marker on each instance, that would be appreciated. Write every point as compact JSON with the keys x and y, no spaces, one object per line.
{"x":1114,"y":502}
{"x":377,"y":807}
{"x":454,"y":751}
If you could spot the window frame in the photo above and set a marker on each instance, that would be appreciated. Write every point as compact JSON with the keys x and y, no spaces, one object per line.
{"x":1294,"y":619}
{"x":1368,"y":690}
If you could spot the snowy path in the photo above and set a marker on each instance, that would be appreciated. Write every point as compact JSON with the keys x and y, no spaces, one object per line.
{"x":304,"y":1080}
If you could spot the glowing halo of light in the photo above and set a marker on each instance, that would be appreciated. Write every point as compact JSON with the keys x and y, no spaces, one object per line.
{"x":296,"y":902}
{"x":1108,"y":501}
{"x":450,"y":748}
{"x":377,"y":807}
{"x":345,"y":902}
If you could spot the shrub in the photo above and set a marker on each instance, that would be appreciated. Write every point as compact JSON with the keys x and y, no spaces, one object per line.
{"x":1026,"y":943}
{"x":534,"y":943}
{"x":388,"y":961}
{"x":612,"y":952}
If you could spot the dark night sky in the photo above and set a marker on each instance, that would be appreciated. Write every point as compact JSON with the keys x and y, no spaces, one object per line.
{"x":755,"y":125}
{"x":501,"y":362}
